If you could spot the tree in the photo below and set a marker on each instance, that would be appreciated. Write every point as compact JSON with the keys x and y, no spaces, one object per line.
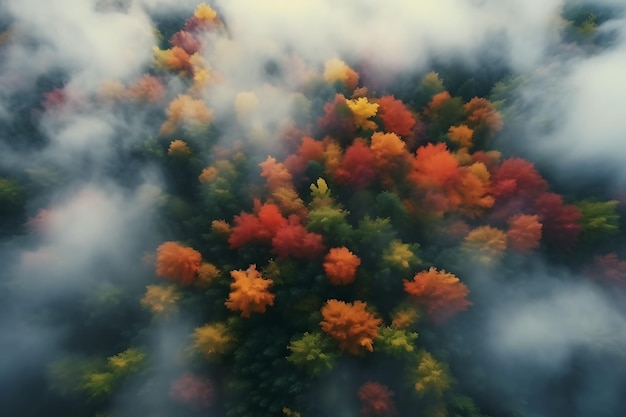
{"x":441,"y":293}
{"x":313,"y":353}
{"x":249,"y":293}
{"x":524,"y":232}
{"x":177,"y":262}
{"x":340,"y":265}
{"x":485,"y":244}
{"x":395,"y":116}
{"x":193,"y":391}
{"x":213,"y":340}
{"x":376,"y":400}
{"x":351,"y":325}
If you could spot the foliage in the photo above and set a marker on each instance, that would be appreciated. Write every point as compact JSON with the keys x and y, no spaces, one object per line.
{"x":313,"y":353}
{"x":178,"y":263}
{"x":441,"y":292}
{"x":249,"y":293}
{"x":351,"y":325}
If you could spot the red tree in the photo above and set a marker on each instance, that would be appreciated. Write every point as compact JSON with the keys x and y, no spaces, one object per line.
{"x":376,"y":400}
{"x":395,"y":116}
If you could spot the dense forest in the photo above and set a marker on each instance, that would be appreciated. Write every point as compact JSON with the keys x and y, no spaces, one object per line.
{"x":246,"y":209}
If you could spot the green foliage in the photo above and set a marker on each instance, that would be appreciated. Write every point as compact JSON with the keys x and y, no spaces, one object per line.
{"x":389,"y":205}
{"x":313,"y":353}
{"x":331,"y":223}
{"x":599,"y":219}
{"x":11,"y":197}
{"x":401,"y":255}
{"x":102,"y":382}
{"x":376,"y":232}
{"x":395,"y":342}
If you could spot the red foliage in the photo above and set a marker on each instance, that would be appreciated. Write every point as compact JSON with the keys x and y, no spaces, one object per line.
{"x":560,"y":221}
{"x":260,"y":227}
{"x":338,"y":120}
{"x":177,"y":262}
{"x":309,"y":150}
{"x":377,"y":400}
{"x":524,"y":233}
{"x":295,"y":241}
{"x":395,"y":116}
{"x":193,"y":391}
{"x":517,"y":177}
{"x":357,"y":169}
{"x":186,"y":41}
{"x":610,"y":270}
{"x":442,"y":293}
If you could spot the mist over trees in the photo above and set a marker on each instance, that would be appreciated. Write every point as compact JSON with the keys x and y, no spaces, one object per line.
{"x":252,"y":209}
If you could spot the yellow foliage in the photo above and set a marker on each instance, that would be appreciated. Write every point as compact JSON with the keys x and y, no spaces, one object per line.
{"x":431,"y":376}
{"x":337,"y":70}
{"x":246,"y":103}
{"x":462,"y":135}
{"x":480,"y":171}
{"x":404,"y":317}
{"x":486,"y":244}
{"x":221,"y":227}
{"x":399,"y":254}
{"x":289,"y":202}
{"x":207,"y":274}
{"x":205,"y":13}
{"x":213,"y":340}
{"x":161,"y":299}
{"x":332,"y":155}
{"x":362,"y":110}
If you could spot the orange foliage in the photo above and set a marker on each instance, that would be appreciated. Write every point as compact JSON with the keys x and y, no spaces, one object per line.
{"x":340,"y":265}
{"x":351,"y":325}
{"x":332,"y":155}
{"x":275,"y":174}
{"x":289,"y":201}
{"x":524,"y":233}
{"x":177,"y":262}
{"x":442,"y":293}
{"x":185,"y":109}
{"x":148,"y":88}
{"x":434,"y":165}
{"x":395,"y":116}
{"x":481,"y":112}
{"x":377,"y":400}
{"x":295,"y":241}
{"x":178,"y":148}
{"x":437,"y":102}
{"x":249,"y":293}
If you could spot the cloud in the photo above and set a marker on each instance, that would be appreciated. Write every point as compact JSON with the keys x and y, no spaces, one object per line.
{"x":92,"y":46}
